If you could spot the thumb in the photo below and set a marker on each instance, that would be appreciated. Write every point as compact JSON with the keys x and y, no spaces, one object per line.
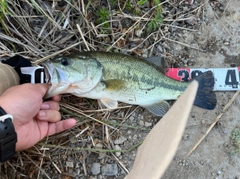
{"x":40,"y":88}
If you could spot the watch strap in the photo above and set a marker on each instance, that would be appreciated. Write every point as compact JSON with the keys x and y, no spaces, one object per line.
{"x":8,"y":138}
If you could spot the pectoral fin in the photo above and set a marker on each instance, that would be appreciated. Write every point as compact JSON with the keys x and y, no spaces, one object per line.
{"x":107,"y":103}
{"x":158,"y":109}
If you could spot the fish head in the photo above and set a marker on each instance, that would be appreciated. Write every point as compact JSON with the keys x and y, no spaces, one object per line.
{"x":72,"y":74}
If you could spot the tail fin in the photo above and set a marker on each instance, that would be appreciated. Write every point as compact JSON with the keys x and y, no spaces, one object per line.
{"x":205,"y":97}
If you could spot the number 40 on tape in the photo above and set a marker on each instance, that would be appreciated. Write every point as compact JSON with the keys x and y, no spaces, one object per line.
{"x":226,"y":79}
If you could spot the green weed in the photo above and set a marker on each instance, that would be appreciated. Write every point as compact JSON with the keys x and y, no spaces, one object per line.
{"x":235,"y":136}
{"x":113,"y":2}
{"x":142,"y":2}
{"x":3,"y":12}
{"x":103,"y":18}
{"x":158,"y":18}
{"x":3,"y":9}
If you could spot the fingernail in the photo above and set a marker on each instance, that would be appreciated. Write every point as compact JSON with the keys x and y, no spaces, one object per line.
{"x":45,"y":106}
{"x":42,"y":113}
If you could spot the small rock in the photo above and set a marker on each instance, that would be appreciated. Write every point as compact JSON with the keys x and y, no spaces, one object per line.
{"x":219,"y":172}
{"x":120,"y":140}
{"x":117,"y":147}
{"x":144,"y":53}
{"x":110,"y":170}
{"x":101,"y":155}
{"x":69,"y":164}
{"x":141,"y":123}
{"x":99,"y":145}
{"x":131,"y":118}
{"x":78,"y":171}
{"x":148,"y":124}
{"x":226,"y":43}
{"x":138,"y":32}
{"x":203,"y":121}
{"x":73,"y":140}
{"x":185,"y":137}
{"x":221,"y":8}
{"x":95,"y":168}
{"x":233,"y":65}
{"x":159,"y":47}
{"x":134,"y":137}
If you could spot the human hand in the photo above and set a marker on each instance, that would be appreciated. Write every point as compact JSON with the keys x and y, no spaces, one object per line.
{"x":33,"y":119}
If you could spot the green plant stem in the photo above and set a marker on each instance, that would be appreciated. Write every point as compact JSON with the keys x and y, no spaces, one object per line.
{"x":43,"y":145}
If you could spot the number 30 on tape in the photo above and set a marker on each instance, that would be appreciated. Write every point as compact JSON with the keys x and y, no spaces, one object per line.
{"x":226,"y":79}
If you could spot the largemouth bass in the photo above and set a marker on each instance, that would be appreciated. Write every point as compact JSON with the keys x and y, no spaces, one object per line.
{"x":112,"y":77}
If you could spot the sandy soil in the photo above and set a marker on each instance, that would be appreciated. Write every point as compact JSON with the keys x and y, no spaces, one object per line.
{"x":219,"y":36}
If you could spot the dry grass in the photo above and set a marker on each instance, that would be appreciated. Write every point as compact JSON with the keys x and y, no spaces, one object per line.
{"x":39,"y":30}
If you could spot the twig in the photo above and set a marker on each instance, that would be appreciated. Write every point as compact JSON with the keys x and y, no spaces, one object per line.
{"x":226,"y":6}
{"x":56,"y":53}
{"x":56,"y":167}
{"x":37,"y":166}
{"x":184,"y":44}
{"x":121,"y":164}
{"x":41,"y":161}
{"x":108,"y":122}
{"x":226,"y":29}
{"x":134,"y":25}
{"x":80,"y":112}
{"x":213,"y":124}
{"x":90,"y":149}
{"x":85,"y":42}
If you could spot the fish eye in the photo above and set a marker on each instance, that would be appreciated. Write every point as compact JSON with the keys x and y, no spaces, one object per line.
{"x":65,"y":61}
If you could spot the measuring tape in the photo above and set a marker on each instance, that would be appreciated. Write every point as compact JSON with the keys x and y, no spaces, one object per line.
{"x":226,"y":79}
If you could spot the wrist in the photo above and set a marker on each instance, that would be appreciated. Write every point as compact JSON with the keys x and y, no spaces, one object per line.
{"x":8,"y":136}
{"x":4,"y":105}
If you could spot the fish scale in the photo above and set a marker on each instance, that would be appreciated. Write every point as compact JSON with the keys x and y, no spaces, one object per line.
{"x":144,"y":80}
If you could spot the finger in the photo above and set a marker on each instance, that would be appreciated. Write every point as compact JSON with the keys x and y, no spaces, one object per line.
{"x":50,"y":105}
{"x":49,"y":115}
{"x":60,"y":126}
{"x":56,"y":98}
{"x":40,"y":87}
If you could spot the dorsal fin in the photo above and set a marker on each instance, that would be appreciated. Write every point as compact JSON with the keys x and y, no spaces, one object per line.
{"x":159,"y":62}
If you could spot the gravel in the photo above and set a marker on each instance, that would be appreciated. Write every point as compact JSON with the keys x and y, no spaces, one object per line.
{"x":95,"y":168}
{"x":110,"y":170}
{"x":120,"y":140}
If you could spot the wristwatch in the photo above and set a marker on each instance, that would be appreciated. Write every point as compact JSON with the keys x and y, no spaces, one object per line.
{"x":8,"y":136}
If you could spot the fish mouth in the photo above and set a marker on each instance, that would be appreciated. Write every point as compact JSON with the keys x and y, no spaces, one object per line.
{"x":54,"y":74}
{"x":57,"y":78}
{"x":49,"y":71}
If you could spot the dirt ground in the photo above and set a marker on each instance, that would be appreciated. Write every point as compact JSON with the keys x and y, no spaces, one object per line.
{"x":219,"y":34}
